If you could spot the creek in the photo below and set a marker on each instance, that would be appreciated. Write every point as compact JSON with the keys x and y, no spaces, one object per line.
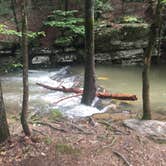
{"x":116,"y":79}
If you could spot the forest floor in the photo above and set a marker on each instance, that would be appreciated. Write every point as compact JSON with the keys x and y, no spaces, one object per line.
{"x":83,"y":142}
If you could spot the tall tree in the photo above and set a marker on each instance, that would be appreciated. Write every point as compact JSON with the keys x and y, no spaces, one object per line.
{"x":25,"y":70}
{"x":66,"y":5}
{"x":147,"y":60}
{"x":4,"y":130}
{"x":89,"y":77}
{"x":13,"y":7}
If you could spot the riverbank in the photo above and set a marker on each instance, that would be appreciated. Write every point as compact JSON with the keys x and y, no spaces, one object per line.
{"x":60,"y":141}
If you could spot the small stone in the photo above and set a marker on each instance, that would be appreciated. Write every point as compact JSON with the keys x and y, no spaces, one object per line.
{"x":43,"y":154}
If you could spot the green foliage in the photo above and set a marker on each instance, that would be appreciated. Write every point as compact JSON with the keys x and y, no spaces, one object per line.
{"x":131,"y":19}
{"x":68,"y":23}
{"x":133,"y":0}
{"x":4,"y":30}
{"x":11,"y":67}
{"x":5,"y":7}
{"x":67,"y":149}
{"x":63,"y":40}
{"x":101,"y":7}
{"x":163,"y":2}
{"x":47,"y":140}
{"x":32,"y":35}
{"x":55,"y":114}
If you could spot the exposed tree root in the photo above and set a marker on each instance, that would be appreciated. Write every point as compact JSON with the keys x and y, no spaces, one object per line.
{"x":122,"y":157}
{"x":52,"y":127}
{"x":79,"y":128}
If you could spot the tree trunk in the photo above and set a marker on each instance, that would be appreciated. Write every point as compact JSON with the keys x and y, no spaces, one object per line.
{"x":13,"y":7}
{"x":89,"y":77}
{"x":147,"y":62}
{"x":66,"y":5}
{"x":25,"y":70}
{"x":159,"y":41}
{"x":4,"y":130}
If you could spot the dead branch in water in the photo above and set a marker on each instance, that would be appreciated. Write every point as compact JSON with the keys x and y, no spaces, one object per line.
{"x":68,"y":97}
{"x":104,"y":95}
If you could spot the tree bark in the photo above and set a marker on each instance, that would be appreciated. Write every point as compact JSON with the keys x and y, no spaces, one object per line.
{"x":25,"y":70}
{"x":13,"y":7}
{"x":66,"y":6}
{"x":147,"y":62}
{"x":159,"y":38}
{"x":4,"y":130}
{"x":89,"y":77}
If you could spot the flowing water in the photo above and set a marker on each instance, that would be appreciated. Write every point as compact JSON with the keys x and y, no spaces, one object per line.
{"x":128,"y":79}
{"x":117,"y":79}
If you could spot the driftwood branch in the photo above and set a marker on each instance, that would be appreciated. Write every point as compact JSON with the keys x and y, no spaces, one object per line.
{"x":106,"y":146}
{"x":62,"y":99}
{"x":103,"y":95}
{"x":122,"y":156}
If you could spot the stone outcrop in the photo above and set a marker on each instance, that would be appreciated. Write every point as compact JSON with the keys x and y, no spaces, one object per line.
{"x":124,"y":45}
{"x":153,"y":129}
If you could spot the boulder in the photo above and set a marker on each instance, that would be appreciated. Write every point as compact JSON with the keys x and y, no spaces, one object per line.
{"x":153,"y":129}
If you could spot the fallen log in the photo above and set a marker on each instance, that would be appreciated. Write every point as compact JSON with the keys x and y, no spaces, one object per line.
{"x":62,"y":88}
{"x":103,"y":95}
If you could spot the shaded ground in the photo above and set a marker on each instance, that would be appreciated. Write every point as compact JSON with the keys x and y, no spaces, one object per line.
{"x":83,"y":142}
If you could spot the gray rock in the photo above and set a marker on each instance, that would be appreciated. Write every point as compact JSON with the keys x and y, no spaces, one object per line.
{"x":62,"y":73}
{"x":151,"y":128}
{"x":121,"y":45}
{"x":102,"y":57}
{"x":134,"y":53}
{"x":40,"y":60}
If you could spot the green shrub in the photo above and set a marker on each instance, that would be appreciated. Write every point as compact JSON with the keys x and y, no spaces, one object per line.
{"x":101,"y":7}
{"x":55,"y":114}
{"x":131,"y":19}
{"x":67,"y":149}
{"x":68,"y":23}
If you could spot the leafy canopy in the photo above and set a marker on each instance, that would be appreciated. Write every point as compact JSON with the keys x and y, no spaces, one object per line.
{"x":68,"y":23}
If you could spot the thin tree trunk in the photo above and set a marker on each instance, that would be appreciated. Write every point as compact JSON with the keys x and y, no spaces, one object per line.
{"x":146,"y":84}
{"x":25,"y":70}
{"x":4,"y":130}
{"x":13,"y":7}
{"x":147,"y":62}
{"x":66,"y":5}
{"x":123,"y":7}
{"x":159,"y":43}
{"x":89,"y":77}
